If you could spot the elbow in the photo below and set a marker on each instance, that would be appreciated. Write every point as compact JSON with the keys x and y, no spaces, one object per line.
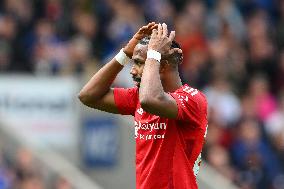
{"x":148,"y":103}
{"x":144,"y":99}
{"x":145,"y":103}
{"x":84,"y":97}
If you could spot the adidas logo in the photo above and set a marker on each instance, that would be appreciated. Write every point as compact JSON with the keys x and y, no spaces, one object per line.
{"x":140,"y":111}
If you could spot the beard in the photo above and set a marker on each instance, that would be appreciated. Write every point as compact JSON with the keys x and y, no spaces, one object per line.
{"x":137,"y":80}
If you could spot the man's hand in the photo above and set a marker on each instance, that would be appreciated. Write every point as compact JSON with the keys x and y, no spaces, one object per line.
{"x":160,"y":41}
{"x":142,"y":32}
{"x":171,"y":55}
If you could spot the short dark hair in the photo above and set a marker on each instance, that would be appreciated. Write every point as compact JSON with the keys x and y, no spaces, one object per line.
{"x":145,"y":40}
{"x":176,"y":58}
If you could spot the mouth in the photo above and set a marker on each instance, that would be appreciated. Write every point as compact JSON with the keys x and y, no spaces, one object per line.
{"x":137,"y":80}
{"x":136,"y":83}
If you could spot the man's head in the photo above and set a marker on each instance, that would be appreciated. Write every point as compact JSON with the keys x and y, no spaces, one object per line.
{"x":169,"y":62}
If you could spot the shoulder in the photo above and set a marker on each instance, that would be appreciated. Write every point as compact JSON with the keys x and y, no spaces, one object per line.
{"x":188,"y":90}
{"x":191,"y":95}
{"x":133,"y":90}
{"x":128,"y":94}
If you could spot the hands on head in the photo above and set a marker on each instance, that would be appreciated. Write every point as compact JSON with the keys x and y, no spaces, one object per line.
{"x":145,"y":31}
{"x":159,"y":41}
{"x":140,"y":34}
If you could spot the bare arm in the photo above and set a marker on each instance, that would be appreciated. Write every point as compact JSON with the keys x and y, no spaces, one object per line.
{"x":152,"y":97}
{"x":97,"y":92}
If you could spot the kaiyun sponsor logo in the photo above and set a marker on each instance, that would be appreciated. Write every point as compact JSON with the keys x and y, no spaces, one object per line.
{"x":149,"y":127}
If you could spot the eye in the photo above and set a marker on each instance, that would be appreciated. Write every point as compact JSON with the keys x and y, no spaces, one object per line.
{"x":138,"y":63}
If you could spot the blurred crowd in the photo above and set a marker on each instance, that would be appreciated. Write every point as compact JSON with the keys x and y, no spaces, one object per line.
{"x":233,"y":51}
{"x":20,"y":170}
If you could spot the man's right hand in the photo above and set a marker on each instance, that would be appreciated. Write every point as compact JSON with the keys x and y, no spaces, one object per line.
{"x":140,"y":34}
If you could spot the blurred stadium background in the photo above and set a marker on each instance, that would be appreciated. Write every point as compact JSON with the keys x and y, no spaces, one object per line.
{"x":233,"y":51}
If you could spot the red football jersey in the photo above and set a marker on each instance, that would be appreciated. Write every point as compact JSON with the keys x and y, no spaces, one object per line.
{"x":168,"y":151}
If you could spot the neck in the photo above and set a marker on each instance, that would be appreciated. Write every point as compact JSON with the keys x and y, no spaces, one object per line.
{"x":171,"y":82}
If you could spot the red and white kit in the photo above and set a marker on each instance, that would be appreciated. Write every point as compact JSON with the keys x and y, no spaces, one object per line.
{"x":168,"y":151}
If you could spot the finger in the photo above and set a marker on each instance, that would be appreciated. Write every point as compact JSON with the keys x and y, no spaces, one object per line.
{"x":142,"y":29}
{"x":150,"y":24}
{"x":172,"y":51}
{"x":165,"y":30}
{"x":175,"y":50}
{"x":172,"y":35}
{"x":154,"y":32}
{"x":150,"y":27}
{"x":149,"y":30}
{"x":155,"y":26}
{"x":147,"y":26}
{"x":160,"y":30}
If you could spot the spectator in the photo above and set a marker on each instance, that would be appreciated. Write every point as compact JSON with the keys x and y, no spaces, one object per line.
{"x":219,"y":158}
{"x":259,"y":92}
{"x":190,"y":35}
{"x":225,"y":105}
{"x":274,"y":126}
{"x":7,"y":36}
{"x":253,"y":157}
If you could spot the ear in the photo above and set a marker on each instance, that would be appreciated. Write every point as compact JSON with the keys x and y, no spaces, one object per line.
{"x":163,"y":66}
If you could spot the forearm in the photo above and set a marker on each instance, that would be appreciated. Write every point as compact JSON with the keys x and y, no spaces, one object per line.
{"x":100,"y":83}
{"x":151,"y":88}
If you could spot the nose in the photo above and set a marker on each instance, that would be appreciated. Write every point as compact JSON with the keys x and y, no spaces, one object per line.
{"x":133,"y":70}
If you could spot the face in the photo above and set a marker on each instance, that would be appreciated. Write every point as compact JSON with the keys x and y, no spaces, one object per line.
{"x":138,"y":58}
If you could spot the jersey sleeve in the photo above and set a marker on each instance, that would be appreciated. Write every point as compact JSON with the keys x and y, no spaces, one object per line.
{"x":192,"y":105}
{"x":126,"y":100}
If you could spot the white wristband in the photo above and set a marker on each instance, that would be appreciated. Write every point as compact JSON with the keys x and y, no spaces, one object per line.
{"x":154,"y":54}
{"x":122,"y":58}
